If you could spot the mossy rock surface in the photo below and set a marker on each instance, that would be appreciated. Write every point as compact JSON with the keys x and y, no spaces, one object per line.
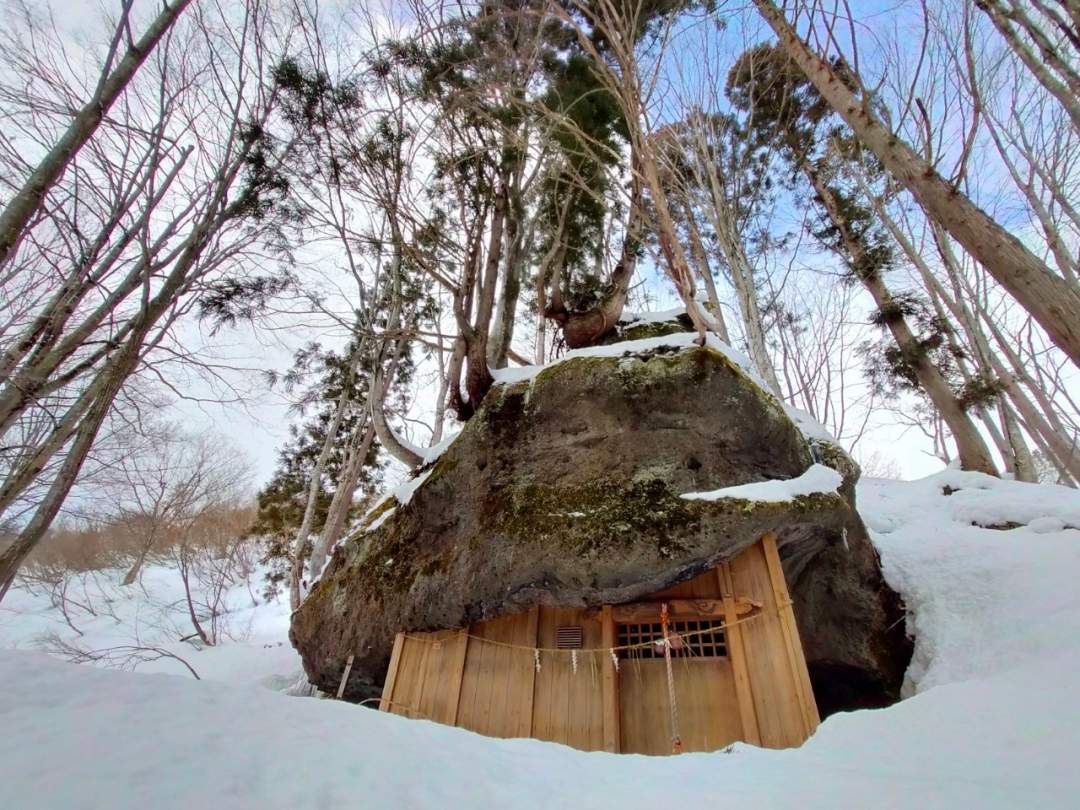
{"x":565,"y":490}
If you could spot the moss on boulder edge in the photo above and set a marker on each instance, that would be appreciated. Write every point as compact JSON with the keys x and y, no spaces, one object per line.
{"x":565,"y":490}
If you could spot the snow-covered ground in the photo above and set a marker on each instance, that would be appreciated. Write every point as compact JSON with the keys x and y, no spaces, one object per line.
{"x":254,"y":649}
{"x":993,"y":720}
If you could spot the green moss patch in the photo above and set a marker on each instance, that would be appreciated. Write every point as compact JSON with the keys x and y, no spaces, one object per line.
{"x":599,"y":517}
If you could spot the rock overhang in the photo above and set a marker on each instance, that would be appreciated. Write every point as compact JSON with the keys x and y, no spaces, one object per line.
{"x":566,"y":488}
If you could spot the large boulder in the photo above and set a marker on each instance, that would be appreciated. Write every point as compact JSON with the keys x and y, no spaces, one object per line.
{"x":566,"y":489}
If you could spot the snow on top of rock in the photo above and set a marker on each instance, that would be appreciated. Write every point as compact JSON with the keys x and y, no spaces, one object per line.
{"x":432,"y":454}
{"x":680,"y":340}
{"x":653,"y":317}
{"x":402,"y":494}
{"x":428,"y":455}
{"x":817,"y":479}
{"x":809,"y":426}
{"x":376,"y":523}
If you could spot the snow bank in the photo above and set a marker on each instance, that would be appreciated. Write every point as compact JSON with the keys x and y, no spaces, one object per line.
{"x":981,"y":600}
{"x":81,"y":738}
{"x":254,"y":649}
{"x":994,"y":721}
{"x":817,"y":479}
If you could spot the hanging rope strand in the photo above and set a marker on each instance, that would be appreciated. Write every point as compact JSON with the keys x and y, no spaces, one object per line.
{"x":637,"y":646}
{"x":676,"y":740}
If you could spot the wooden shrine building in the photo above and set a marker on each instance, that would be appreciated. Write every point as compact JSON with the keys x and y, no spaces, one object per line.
{"x":731,"y":668}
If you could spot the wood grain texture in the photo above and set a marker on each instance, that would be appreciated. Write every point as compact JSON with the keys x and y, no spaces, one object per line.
{"x":610,"y":682}
{"x":391,"y":673}
{"x":649,"y":611}
{"x":776,"y":701}
{"x":760,"y":692}
{"x":744,"y":695}
{"x":796,"y":658}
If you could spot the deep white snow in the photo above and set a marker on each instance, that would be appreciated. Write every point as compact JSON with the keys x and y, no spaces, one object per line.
{"x":993,"y":720}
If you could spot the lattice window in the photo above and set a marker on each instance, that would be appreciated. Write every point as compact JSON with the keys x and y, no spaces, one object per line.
{"x":703,"y":638}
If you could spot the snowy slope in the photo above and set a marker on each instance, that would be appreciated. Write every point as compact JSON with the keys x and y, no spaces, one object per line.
{"x":994,"y":720}
{"x":255,"y":649}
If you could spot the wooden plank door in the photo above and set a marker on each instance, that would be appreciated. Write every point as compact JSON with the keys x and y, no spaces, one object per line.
{"x":708,"y":711}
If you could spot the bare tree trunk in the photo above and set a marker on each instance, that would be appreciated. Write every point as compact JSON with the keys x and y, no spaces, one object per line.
{"x":1055,"y":444}
{"x":1052,"y":70}
{"x":185,"y":577}
{"x":502,"y":334}
{"x":381,"y":381}
{"x":1022,"y":462}
{"x":550,"y":274}
{"x":13,"y":556}
{"x":722,"y":218}
{"x":581,"y":329}
{"x":387,"y":438}
{"x":973,"y":452}
{"x":1052,"y":302}
{"x":296,"y":574}
{"x":191,"y":242}
{"x":26,"y":203}
{"x":701,"y":258}
{"x":478,"y":377}
{"x":133,"y":572}
{"x":342,"y":500}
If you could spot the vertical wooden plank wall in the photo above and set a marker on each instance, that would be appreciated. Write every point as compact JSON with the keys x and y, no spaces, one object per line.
{"x":790,"y":630}
{"x":391,"y":674}
{"x":424,"y":676}
{"x":610,"y":683}
{"x":774,"y":661}
{"x":760,"y":693}
{"x":734,"y":633}
{"x":498,"y":681}
{"x":569,"y":706}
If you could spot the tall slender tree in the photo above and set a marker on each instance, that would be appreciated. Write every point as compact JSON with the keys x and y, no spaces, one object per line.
{"x":790,"y":113}
{"x":1052,"y":301}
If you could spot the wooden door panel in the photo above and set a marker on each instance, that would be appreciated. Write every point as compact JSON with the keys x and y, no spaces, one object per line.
{"x":708,"y":712}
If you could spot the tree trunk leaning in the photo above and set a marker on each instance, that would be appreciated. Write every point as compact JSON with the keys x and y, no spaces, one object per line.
{"x":1052,"y":302}
{"x":27,"y":202}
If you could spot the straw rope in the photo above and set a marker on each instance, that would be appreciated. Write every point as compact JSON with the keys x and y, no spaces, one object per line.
{"x":757,"y":613}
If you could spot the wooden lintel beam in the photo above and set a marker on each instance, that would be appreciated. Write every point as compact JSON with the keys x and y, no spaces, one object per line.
{"x":637,"y":612}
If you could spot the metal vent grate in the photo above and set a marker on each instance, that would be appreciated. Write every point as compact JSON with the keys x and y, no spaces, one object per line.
{"x":691,"y":639}
{"x":569,"y":637}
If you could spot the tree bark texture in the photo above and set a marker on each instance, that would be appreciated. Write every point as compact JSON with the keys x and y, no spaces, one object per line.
{"x":1052,"y":302}
{"x":27,"y":202}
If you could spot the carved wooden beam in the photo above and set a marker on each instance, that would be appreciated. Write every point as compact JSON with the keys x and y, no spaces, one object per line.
{"x":638,"y":612}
